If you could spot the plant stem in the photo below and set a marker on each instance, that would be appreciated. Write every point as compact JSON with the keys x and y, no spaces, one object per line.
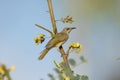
{"x":68,"y":51}
{"x":52,"y":16}
{"x":52,"y":35}
{"x":65,"y":57}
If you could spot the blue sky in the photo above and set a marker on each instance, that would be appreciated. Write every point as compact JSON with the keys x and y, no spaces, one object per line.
{"x":98,"y":30}
{"x":17,"y":32}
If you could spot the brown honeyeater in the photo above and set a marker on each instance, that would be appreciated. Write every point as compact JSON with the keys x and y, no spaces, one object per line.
{"x":59,"y":39}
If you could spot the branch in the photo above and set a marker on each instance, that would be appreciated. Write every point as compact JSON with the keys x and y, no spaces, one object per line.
{"x":65,"y":57}
{"x":52,"y":35}
{"x":52,"y":16}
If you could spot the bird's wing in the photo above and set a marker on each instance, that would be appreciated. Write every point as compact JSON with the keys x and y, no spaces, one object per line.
{"x":60,"y":37}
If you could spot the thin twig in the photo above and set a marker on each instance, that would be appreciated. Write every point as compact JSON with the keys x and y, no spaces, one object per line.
{"x":68,"y":51}
{"x":52,"y":16}
{"x":52,"y":35}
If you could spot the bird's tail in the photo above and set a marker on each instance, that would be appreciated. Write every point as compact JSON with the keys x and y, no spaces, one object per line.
{"x":43,"y":53}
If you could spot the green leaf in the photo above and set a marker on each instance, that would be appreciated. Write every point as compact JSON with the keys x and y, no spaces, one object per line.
{"x":51,"y":76}
{"x":84,"y":77}
{"x":56,"y":64}
{"x":56,"y":70}
{"x":82,"y":58}
{"x":78,"y":76}
{"x":72,"y":62}
{"x":60,"y":77}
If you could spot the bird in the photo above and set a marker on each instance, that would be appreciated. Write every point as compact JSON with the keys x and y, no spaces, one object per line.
{"x":57,"y":41}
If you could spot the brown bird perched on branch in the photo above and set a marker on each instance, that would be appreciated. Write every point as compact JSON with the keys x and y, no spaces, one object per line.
{"x":57,"y":41}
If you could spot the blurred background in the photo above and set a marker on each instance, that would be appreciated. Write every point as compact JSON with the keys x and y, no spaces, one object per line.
{"x":98,"y":30}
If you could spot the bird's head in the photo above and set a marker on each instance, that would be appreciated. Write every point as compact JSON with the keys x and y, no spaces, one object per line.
{"x":68,"y":29}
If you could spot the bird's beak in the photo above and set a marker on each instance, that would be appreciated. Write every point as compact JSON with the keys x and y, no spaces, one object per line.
{"x":73,"y":28}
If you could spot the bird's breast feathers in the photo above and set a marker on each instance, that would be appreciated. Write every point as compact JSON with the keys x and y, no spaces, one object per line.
{"x":59,"y":44}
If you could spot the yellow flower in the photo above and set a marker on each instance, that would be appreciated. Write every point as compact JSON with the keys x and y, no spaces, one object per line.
{"x":41,"y":35}
{"x":37,"y":41}
{"x":12,"y":68}
{"x":67,"y":78}
{"x":1,"y":70}
{"x":40,"y":39}
{"x":77,"y":47}
{"x":68,"y":19}
{"x":63,"y":75}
